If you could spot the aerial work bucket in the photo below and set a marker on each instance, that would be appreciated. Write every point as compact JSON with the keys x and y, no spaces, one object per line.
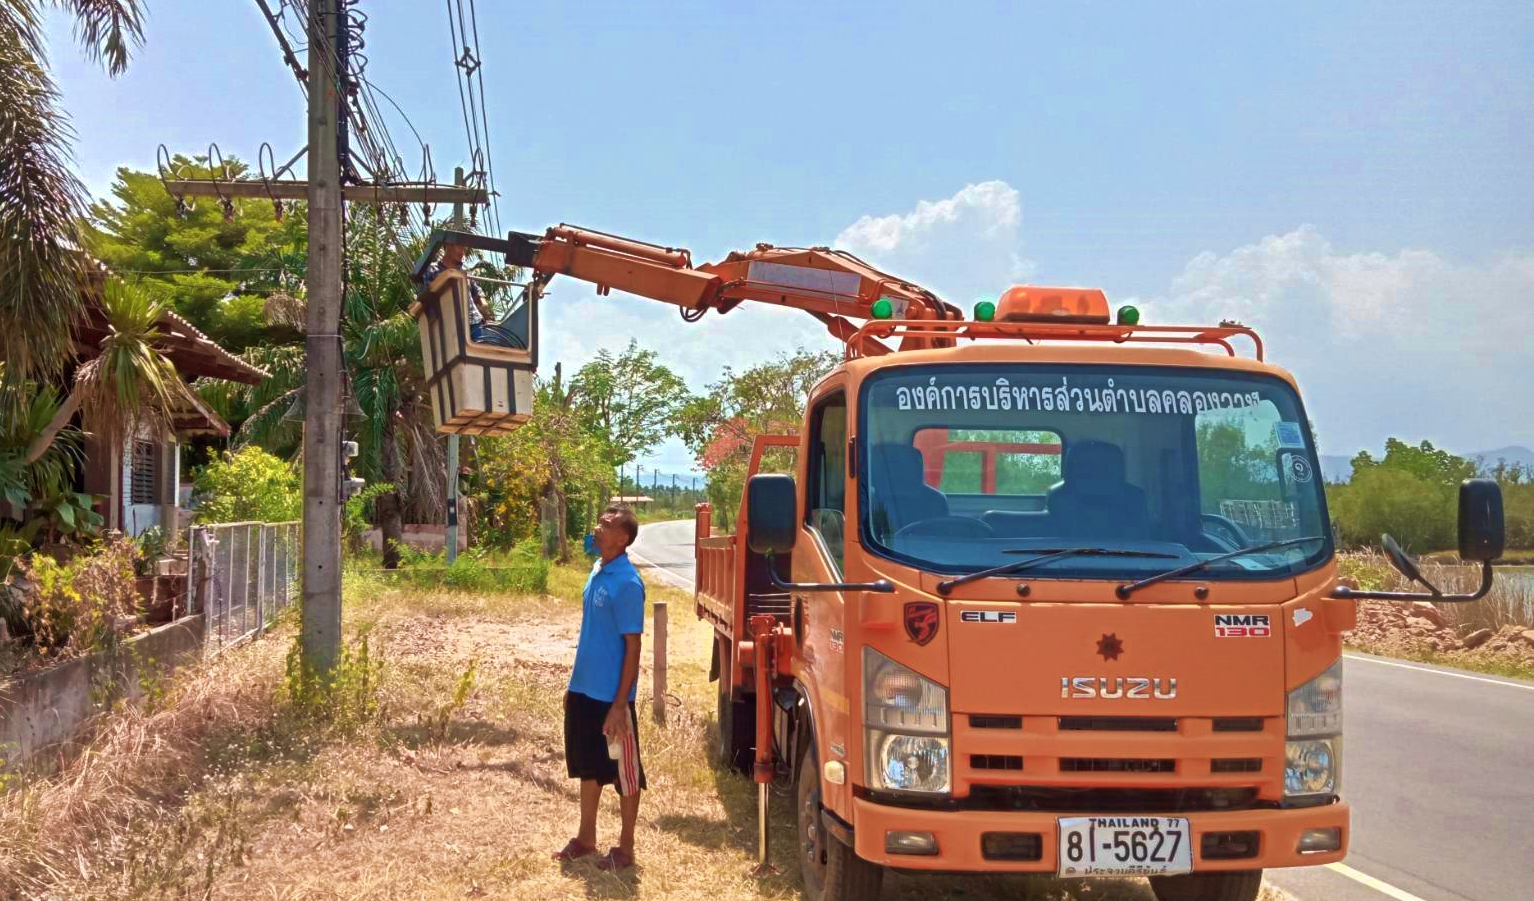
{"x":475,"y":388}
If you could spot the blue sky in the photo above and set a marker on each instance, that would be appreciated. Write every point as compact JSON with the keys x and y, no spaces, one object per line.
{"x":1352,"y":178}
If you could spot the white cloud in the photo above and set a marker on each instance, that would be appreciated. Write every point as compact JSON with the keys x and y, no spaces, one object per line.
{"x":1408,"y":344}
{"x":964,"y":247}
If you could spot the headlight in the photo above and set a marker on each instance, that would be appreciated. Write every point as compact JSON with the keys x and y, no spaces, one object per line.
{"x":898,"y":699}
{"x":910,"y":763}
{"x":1315,"y":708}
{"x":1311,"y":767}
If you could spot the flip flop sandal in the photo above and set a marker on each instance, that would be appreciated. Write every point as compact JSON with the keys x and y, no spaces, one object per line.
{"x":574,"y":850}
{"x":615,"y":859}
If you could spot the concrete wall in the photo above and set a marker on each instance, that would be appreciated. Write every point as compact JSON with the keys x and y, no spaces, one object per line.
{"x":48,"y":707}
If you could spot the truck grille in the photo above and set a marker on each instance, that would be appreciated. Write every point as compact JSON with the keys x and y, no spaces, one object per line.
{"x":1116,"y":765}
{"x":1236,"y":765}
{"x":995,"y":762}
{"x":1238,"y":724}
{"x":986,"y":721}
{"x":1012,"y":846}
{"x":1118,"y":724}
{"x":1108,"y":800}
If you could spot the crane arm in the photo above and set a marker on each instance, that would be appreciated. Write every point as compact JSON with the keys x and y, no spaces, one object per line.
{"x":833,"y":286}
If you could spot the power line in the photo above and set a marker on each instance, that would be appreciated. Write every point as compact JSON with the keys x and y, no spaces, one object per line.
{"x":484,"y":115}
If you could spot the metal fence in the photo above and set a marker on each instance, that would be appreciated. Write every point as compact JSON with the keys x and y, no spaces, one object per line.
{"x":240,"y":576}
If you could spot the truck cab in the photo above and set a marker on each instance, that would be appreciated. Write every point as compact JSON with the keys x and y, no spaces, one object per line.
{"x":1048,"y":606}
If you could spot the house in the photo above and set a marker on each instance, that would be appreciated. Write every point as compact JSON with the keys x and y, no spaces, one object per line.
{"x":139,"y":484}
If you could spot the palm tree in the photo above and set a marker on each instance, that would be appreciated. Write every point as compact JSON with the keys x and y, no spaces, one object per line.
{"x":41,"y":201}
{"x":381,"y":347}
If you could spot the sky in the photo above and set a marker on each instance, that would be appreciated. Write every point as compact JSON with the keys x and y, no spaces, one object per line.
{"x":1352,"y":179}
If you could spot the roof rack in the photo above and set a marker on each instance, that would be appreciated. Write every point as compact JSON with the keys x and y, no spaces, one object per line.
{"x":1217,"y":336}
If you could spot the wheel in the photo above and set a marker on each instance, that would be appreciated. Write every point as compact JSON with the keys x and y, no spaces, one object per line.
{"x":737,"y":730}
{"x":1224,"y":529}
{"x":832,"y":871}
{"x":1237,"y":885}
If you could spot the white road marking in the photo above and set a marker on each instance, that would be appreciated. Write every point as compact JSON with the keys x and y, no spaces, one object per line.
{"x":1383,"y":888}
{"x":678,"y":580}
{"x":1426,"y":669}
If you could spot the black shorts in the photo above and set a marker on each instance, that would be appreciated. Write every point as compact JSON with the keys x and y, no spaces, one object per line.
{"x":586,"y":754}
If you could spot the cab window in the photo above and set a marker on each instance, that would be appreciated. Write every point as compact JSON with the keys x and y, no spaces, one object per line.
{"x":826,"y":485}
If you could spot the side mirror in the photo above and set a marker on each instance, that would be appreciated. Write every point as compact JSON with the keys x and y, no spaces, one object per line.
{"x":1481,"y":532}
{"x":771,"y":505}
{"x":1404,"y":563}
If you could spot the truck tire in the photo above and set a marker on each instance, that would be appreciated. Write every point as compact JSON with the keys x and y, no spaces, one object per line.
{"x":737,"y":730}
{"x":1237,"y":885}
{"x":832,"y":871}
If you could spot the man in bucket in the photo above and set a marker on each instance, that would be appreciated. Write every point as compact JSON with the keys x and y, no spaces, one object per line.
{"x":601,"y":741}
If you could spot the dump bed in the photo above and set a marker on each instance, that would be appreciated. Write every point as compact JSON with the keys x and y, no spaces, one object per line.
{"x":718,"y":585}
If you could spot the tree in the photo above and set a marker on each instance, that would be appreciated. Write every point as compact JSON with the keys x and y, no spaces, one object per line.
{"x":720,"y":427}
{"x":249,"y":485}
{"x":630,"y":400}
{"x":128,"y":384}
{"x":41,"y":201}
{"x":549,"y":460}
{"x":1410,"y":493}
{"x":217,"y":270}
{"x":381,"y":348}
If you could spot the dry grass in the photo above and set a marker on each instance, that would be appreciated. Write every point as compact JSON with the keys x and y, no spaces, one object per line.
{"x":224,"y":796}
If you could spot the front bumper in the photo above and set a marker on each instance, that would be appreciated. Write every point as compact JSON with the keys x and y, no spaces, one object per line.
{"x":959,"y":834}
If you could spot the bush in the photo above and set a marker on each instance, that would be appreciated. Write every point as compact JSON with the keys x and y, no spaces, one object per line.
{"x":249,"y":485}
{"x":1418,"y":512}
{"x":75,"y":606}
{"x":522,"y":570}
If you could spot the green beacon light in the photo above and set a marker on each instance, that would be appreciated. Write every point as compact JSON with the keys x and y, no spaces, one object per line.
{"x":883,"y":309}
{"x":985,"y":311}
{"x":1129,"y":316}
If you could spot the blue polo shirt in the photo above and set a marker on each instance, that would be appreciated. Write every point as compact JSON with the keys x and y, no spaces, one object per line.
{"x":612,"y":607}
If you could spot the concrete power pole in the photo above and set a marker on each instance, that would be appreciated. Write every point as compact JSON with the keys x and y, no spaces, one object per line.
{"x":451,"y":533}
{"x":322,"y":349}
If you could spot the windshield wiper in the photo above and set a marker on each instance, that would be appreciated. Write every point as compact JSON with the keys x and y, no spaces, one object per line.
{"x":1048,"y":554}
{"x":1124,"y":591}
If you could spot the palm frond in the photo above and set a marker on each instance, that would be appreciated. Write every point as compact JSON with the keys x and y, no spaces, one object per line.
{"x":106,"y":28}
{"x":40,"y":206}
{"x":131,"y":383}
{"x":268,"y":426}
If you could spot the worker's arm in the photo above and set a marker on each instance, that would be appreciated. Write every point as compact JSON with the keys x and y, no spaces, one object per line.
{"x":617,"y":724}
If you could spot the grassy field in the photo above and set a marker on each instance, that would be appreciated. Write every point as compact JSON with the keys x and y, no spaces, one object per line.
{"x":442,"y":779}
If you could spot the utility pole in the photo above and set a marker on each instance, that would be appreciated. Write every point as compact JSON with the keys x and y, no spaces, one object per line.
{"x":322,"y":348}
{"x":452,"y":440}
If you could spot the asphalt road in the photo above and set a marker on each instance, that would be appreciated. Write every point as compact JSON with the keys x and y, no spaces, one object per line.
{"x":1437,"y":763}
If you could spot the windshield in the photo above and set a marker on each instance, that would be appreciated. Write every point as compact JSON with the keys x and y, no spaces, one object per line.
{"x":967,"y":466}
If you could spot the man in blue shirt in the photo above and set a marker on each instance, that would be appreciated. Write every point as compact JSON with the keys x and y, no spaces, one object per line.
{"x":601,"y":739}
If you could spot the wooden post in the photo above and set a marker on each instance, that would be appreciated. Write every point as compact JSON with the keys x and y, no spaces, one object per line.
{"x":659,"y":668}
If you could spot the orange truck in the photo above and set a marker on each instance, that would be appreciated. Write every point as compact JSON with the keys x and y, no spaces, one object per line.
{"x":1048,"y":589}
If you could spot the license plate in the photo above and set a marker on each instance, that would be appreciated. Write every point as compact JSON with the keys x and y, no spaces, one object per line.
{"x":1124,"y":846}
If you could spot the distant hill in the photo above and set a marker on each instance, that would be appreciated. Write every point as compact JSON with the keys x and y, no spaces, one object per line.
{"x":1512,"y":454}
{"x":1339,"y":468}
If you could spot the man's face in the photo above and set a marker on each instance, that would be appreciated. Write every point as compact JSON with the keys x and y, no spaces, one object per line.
{"x":611,"y":539}
{"x":452,"y":256}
